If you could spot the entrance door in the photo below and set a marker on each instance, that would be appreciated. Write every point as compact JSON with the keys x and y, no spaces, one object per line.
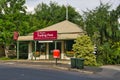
{"x":52,"y":47}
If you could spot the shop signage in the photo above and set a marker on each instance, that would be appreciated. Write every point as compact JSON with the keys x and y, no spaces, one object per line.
{"x":16,"y":34}
{"x":45,"y":35}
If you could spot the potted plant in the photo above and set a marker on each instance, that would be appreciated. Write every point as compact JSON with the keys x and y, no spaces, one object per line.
{"x":69,"y":53}
{"x":36,"y":54}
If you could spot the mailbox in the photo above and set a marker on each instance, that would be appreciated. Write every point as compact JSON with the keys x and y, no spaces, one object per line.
{"x":56,"y":53}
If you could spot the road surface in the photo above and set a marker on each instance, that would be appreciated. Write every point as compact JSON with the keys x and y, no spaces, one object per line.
{"x":15,"y":71}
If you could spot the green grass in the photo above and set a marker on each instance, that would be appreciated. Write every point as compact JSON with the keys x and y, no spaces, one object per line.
{"x":4,"y":58}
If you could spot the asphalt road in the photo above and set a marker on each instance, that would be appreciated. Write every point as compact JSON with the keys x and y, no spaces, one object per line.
{"x":13,"y":71}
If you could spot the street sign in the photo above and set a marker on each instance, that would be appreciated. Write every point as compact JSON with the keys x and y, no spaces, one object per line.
{"x":45,"y":35}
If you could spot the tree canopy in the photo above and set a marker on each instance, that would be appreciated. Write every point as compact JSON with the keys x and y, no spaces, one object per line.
{"x":102,"y":23}
{"x":12,"y":12}
{"x":12,"y":16}
{"x":54,"y":13}
{"x":103,"y":28}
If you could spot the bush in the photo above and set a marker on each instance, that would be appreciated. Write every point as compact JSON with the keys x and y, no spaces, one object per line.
{"x":109,"y":53}
{"x":84,"y":48}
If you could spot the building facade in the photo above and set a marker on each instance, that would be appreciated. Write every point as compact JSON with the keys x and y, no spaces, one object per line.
{"x":67,"y":32}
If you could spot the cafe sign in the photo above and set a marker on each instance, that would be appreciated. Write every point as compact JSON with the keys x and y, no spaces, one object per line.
{"x":45,"y":35}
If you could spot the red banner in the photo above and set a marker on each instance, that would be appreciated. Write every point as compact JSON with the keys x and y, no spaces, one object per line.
{"x":45,"y":35}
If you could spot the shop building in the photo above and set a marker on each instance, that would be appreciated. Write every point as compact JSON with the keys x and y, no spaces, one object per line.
{"x":67,"y":32}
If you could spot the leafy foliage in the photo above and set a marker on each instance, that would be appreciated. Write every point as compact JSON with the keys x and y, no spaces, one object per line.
{"x":54,"y":13}
{"x":12,"y":15}
{"x":109,"y":53}
{"x":103,"y":22}
{"x":12,"y":12}
{"x":84,"y":48}
{"x":102,"y":27}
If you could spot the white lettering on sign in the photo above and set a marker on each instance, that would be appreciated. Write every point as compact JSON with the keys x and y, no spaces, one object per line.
{"x":42,"y":34}
{"x":45,"y":35}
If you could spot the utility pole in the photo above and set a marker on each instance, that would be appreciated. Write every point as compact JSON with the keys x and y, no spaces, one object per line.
{"x":66,"y":10}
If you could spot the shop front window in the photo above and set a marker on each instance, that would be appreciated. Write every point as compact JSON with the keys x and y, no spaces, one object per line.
{"x":40,"y":47}
{"x":69,"y":44}
{"x":68,"y":48}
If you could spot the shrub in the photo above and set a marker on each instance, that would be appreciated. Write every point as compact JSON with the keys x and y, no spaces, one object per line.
{"x":109,"y":53}
{"x":84,"y":48}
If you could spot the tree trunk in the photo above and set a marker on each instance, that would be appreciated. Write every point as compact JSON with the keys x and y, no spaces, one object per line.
{"x":6,"y":51}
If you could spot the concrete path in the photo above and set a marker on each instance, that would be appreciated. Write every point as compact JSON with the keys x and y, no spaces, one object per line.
{"x":115,"y":67}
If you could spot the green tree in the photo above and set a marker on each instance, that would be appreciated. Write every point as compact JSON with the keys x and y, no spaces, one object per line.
{"x":12,"y":14}
{"x":102,"y":27}
{"x":103,"y":22}
{"x":84,"y":48}
{"x":54,"y":13}
{"x":97,"y":21}
{"x":115,"y":32}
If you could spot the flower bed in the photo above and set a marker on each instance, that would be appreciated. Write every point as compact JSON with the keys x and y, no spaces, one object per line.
{"x":36,"y":54}
{"x":69,"y":53}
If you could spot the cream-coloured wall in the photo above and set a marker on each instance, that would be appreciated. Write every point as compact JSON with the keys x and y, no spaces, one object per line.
{"x":30,"y":54}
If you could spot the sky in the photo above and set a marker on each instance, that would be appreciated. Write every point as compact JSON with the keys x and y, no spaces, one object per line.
{"x":79,"y":5}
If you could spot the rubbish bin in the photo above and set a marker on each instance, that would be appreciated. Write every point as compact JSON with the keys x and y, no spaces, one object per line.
{"x":73,"y":62}
{"x":80,"y":63}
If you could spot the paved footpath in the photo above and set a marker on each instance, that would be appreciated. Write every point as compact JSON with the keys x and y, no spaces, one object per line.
{"x":115,"y":67}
